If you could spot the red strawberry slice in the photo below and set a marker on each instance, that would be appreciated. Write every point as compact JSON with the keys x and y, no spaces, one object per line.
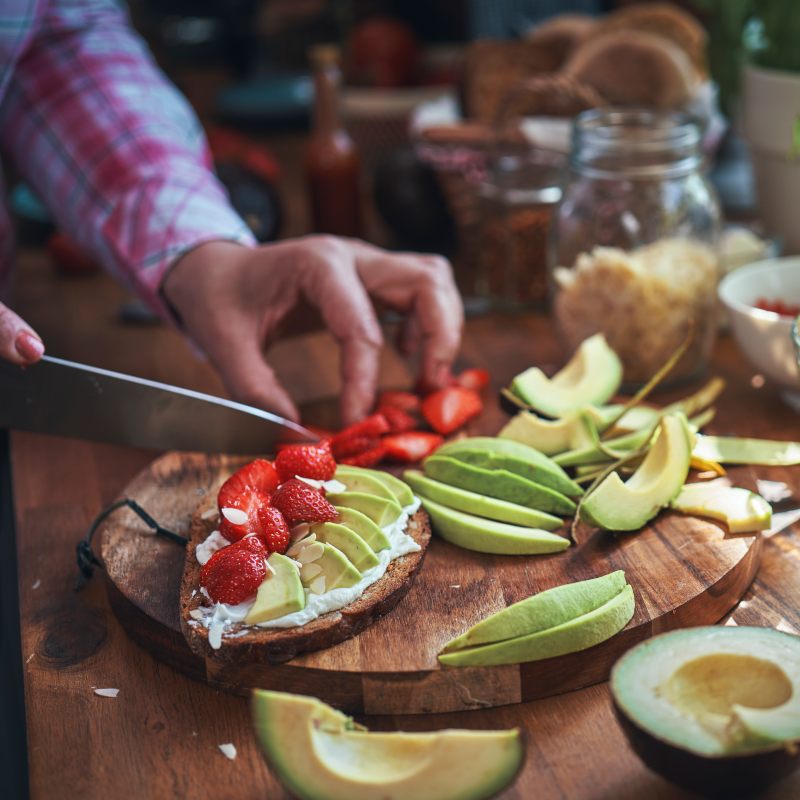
{"x":373,"y":425}
{"x":354,"y":446}
{"x":368,"y":458}
{"x":448,"y":409}
{"x":412,"y":446}
{"x":257,"y":476}
{"x":253,"y":508}
{"x":306,"y":460}
{"x":474,"y":378}
{"x":234,"y":573}
{"x":398,"y":419}
{"x":299,"y":502}
{"x":408,"y":401}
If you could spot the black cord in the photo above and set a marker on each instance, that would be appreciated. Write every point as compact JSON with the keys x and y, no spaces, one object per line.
{"x":87,"y":560}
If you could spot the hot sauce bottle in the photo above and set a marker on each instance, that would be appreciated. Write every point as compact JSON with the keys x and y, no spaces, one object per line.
{"x":332,"y":162}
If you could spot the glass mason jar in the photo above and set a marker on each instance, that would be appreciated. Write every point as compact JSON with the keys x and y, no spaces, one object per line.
{"x":633,"y":243}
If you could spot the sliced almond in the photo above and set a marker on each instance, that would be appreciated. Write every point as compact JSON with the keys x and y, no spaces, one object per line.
{"x":309,"y":571}
{"x":270,"y":568}
{"x":209,"y":513}
{"x":235,"y":516}
{"x":196,"y":613}
{"x":299,"y":531}
{"x":317,"y":586}
{"x":310,"y":553}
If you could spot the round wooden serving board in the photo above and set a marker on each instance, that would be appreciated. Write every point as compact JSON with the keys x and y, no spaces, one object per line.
{"x":684,"y":571}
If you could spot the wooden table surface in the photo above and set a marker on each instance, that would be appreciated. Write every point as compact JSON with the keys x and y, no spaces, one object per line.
{"x":159,"y":737}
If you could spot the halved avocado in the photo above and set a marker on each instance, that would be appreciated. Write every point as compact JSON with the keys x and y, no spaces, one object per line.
{"x":478,"y":504}
{"x":619,"y":505}
{"x":380,"y":510}
{"x":741,"y":510}
{"x":318,"y":753}
{"x":492,"y":452}
{"x":488,"y":535}
{"x":590,"y":377}
{"x":714,"y":709}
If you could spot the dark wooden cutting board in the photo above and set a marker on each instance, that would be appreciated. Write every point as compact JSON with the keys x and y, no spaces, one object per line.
{"x":684,"y":571}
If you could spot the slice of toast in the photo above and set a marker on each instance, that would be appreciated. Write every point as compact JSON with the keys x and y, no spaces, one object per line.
{"x":276,"y":645}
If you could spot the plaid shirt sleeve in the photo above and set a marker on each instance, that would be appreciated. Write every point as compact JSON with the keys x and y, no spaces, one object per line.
{"x":111,"y":146}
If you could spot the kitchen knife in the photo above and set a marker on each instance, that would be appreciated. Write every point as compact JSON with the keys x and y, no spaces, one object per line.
{"x":65,"y":398}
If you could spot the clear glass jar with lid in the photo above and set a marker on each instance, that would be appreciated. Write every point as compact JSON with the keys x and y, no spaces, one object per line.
{"x":633,"y":242}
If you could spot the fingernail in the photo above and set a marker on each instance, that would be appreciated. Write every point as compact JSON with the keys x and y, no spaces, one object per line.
{"x":29,"y":347}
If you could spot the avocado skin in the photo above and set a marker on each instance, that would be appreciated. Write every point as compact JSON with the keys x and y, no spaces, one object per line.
{"x":711,"y":776}
{"x":499,"y":483}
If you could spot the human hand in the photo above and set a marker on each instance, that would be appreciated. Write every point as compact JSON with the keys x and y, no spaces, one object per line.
{"x":231,"y":300}
{"x":19,"y":343}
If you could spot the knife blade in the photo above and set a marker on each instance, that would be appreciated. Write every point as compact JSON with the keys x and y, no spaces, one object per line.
{"x":65,"y":398}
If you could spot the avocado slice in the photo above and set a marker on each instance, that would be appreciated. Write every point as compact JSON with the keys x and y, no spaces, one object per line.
{"x":335,"y":567}
{"x":280,"y":593}
{"x":489,"y":536}
{"x":361,"y":555}
{"x":741,"y":510}
{"x":548,"y":436}
{"x":478,"y":504}
{"x":401,"y":492}
{"x":544,"y":610}
{"x":499,"y":483}
{"x":380,"y":510}
{"x":358,"y":480}
{"x":318,"y":753}
{"x":715,"y":709}
{"x":590,"y":377}
{"x":619,"y":505}
{"x":496,"y":453}
{"x":576,"y":634}
{"x":364,"y":527}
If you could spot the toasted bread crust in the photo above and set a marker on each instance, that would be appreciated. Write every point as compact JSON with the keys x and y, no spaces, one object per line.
{"x":276,"y":645}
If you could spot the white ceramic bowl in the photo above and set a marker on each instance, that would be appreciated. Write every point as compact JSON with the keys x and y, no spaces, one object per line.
{"x":764,"y":336}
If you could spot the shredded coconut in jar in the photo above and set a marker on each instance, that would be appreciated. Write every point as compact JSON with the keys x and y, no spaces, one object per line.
{"x":642,"y":301}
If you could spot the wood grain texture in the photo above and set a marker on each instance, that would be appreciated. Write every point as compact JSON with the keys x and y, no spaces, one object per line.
{"x":684,"y":571}
{"x":158,"y":738}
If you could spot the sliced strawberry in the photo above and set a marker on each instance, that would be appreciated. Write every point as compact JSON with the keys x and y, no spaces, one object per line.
{"x":299,"y":502}
{"x":234,"y":573}
{"x":411,"y":446}
{"x":353,"y":446}
{"x":369,"y":458}
{"x":408,"y":401}
{"x":474,"y":378}
{"x":398,"y":419}
{"x":275,"y":531}
{"x":306,"y":460}
{"x":373,"y":425}
{"x":258,"y":476}
{"x":448,"y":409}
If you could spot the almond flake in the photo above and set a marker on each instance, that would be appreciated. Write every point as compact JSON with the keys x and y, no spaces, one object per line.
{"x":235,"y":516}
{"x":106,"y":692}
{"x":196,"y":613}
{"x":310,"y":553}
{"x":310,"y":571}
{"x":312,"y":482}
{"x":317,"y":586}
{"x":209,"y":513}
{"x":299,"y":531}
{"x":334,"y":487}
{"x":215,"y":634}
{"x":228,"y":750}
{"x":269,"y":567}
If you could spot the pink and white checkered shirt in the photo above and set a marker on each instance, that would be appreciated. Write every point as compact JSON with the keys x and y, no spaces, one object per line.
{"x":106,"y":141}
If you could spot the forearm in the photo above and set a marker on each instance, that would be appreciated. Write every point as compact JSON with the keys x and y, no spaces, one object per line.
{"x":112,"y":148}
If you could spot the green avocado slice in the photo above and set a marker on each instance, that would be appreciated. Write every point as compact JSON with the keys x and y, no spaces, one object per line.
{"x":280,"y":593}
{"x":364,"y":527}
{"x":577,"y":634}
{"x":360,"y":554}
{"x":358,"y":480}
{"x":401,"y":492}
{"x":489,"y":536}
{"x":478,"y":504}
{"x":499,"y":483}
{"x":320,"y":754}
{"x":380,"y":510}
{"x":547,"y":609}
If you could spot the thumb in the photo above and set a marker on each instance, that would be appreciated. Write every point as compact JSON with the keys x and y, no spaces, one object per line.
{"x":19,"y":343}
{"x":250,"y":380}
